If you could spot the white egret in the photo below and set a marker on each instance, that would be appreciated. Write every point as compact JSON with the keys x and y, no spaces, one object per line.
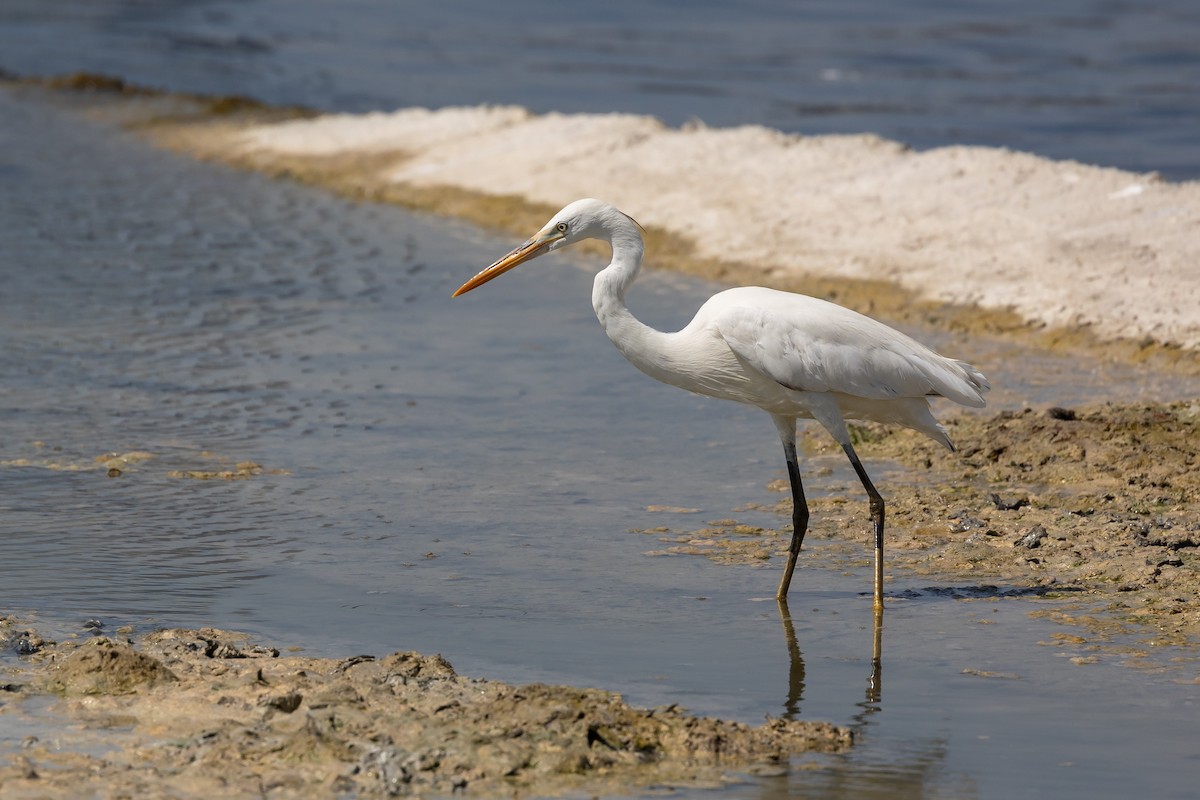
{"x":793,"y":356}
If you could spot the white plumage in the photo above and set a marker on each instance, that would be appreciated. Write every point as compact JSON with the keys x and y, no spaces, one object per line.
{"x":793,"y":356}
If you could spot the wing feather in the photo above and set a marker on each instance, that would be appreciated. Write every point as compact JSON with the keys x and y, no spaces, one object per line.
{"x":811,"y":345}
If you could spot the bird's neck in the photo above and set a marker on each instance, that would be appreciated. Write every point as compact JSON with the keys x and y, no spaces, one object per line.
{"x":632,"y":337}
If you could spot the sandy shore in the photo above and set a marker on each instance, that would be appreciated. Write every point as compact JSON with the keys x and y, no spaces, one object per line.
{"x":1060,"y":243}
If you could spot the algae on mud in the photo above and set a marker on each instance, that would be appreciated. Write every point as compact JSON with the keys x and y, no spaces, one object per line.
{"x":207,"y":713}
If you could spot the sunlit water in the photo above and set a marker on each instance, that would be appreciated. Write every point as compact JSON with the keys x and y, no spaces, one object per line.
{"x":462,"y":476}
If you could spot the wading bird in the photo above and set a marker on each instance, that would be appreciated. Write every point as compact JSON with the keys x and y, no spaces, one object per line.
{"x":793,"y":356}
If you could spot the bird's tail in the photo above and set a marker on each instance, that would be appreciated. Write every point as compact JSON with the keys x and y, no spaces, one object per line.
{"x":975,"y":377}
{"x":968,"y":385}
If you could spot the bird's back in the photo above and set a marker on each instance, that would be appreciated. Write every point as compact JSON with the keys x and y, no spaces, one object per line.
{"x":812,"y":345}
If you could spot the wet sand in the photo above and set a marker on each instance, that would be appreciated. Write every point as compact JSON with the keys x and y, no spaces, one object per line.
{"x":1094,"y":505}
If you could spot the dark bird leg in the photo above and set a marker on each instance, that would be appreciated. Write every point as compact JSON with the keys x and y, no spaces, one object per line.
{"x":876,"y":520}
{"x":799,"y":511}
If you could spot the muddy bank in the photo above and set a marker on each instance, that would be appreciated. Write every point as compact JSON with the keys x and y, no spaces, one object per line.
{"x":208,"y":713}
{"x":1098,"y":506}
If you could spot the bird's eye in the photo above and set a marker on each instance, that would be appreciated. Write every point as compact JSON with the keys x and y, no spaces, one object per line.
{"x":562,"y":227}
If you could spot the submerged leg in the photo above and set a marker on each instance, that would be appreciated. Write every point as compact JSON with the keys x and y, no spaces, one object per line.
{"x":787,"y":431}
{"x":876,"y":519}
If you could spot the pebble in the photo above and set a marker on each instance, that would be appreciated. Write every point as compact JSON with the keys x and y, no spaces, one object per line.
{"x":1032,"y":538}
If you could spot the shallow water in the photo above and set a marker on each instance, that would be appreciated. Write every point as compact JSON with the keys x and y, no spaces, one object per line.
{"x":461,"y":477}
{"x":1092,"y":80}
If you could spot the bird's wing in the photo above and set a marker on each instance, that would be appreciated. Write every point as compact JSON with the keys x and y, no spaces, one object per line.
{"x":812,"y":345}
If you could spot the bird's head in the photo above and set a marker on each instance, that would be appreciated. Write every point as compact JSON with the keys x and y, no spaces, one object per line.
{"x":583,"y":219}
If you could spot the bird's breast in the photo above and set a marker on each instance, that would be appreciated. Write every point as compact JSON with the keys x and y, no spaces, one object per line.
{"x":704,"y":364}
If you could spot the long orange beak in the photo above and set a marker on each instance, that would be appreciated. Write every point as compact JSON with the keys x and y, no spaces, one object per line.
{"x":538,"y":245}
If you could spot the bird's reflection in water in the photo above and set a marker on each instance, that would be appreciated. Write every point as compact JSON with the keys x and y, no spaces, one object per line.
{"x":795,"y":694}
{"x":874,"y":698}
{"x":795,"y":663}
{"x":881,"y":763}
